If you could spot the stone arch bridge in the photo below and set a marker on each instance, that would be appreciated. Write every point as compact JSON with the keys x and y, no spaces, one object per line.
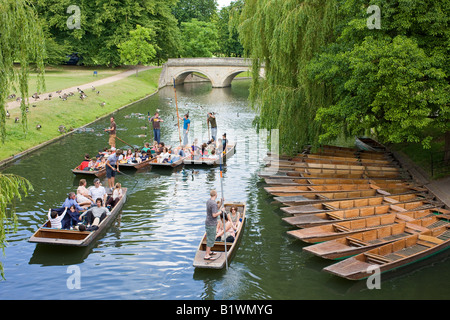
{"x":220,"y":71}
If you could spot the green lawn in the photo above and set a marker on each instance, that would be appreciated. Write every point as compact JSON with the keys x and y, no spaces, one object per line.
{"x":75,"y":112}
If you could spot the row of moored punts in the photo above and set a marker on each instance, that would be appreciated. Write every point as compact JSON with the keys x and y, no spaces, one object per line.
{"x":357,"y":205}
{"x":154,"y":163}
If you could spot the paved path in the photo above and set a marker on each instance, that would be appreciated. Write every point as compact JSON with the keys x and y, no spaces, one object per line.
{"x":97,"y":83}
{"x":439,"y":187}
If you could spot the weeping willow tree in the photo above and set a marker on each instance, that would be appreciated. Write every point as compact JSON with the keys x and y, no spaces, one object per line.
{"x":21,"y":46}
{"x":283,"y":36}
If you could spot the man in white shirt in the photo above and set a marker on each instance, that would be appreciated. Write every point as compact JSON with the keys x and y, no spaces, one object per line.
{"x":98,"y":191}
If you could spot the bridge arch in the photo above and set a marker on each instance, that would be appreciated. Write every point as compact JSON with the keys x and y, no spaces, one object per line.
{"x":220,"y":71}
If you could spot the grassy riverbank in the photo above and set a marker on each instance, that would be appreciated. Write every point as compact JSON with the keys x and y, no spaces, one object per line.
{"x":74,"y":112}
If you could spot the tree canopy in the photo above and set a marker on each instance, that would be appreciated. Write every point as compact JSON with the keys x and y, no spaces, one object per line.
{"x":328,"y":72}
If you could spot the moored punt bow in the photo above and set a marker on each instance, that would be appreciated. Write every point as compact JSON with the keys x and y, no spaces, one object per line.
{"x":326,"y":181}
{"x":48,"y":235}
{"x":340,"y":229}
{"x":281,"y":191}
{"x":309,"y":220}
{"x":98,"y":173}
{"x":356,"y":203}
{"x":221,"y":257}
{"x":359,"y":242}
{"x":393,"y":255}
{"x":347,"y":195}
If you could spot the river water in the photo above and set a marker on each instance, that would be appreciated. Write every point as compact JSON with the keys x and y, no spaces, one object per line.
{"x":148,"y":252}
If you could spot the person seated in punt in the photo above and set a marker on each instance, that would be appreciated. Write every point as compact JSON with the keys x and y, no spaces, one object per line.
{"x":146,"y":147}
{"x":84,"y":165}
{"x":116,"y":196}
{"x":235,"y":217}
{"x":84,"y":199}
{"x":98,"y":191}
{"x":213,"y":155}
{"x":127,"y":156}
{"x":56,"y":219}
{"x":144,"y":156}
{"x":229,"y":233}
{"x":164,"y":156}
{"x":100,"y":164}
{"x":95,"y":215}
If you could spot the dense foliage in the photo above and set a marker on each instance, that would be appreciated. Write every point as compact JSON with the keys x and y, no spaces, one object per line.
{"x":329,"y":72}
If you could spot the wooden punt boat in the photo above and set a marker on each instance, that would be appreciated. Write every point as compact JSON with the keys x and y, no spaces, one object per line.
{"x":284,"y":165}
{"x":136,"y":166}
{"x":97,"y":173}
{"x":315,"y":219}
{"x":327,"y":159}
{"x":231,"y":149}
{"x":287,"y":191}
{"x":276,"y":173}
{"x":357,"y":243}
{"x":393,"y":255}
{"x":340,"y":229}
{"x":219,"y":246}
{"x":46,"y":234}
{"x":349,"y":195}
{"x":341,"y":172}
{"x":369,"y":144}
{"x":326,"y":181}
{"x":357,"y":203}
{"x":154,"y":163}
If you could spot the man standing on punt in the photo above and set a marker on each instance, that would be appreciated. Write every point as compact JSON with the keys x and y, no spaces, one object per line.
{"x":212,"y":213}
{"x":155,"y":120}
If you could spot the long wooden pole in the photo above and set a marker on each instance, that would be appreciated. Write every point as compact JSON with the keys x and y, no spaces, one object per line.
{"x":223,"y":205}
{"x":176,"y":103}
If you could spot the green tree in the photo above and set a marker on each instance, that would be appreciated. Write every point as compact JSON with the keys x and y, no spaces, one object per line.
{"x":186,"y":10}
{"x":22,"y":41}
{"x":228,"y":35}
{"x":393,"y":82}
{"x":198,"y":39}
{"x":138,"y":50}
{"x":104,"y":24}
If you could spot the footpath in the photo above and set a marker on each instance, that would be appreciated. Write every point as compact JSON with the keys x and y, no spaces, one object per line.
{"x":439,"y":187}
{"x":15,"y":104}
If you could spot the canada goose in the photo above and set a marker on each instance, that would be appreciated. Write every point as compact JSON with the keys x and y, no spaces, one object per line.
{"x":16,"y":119}
{"x":11,"y":96}
{"x":62,"y":129}
{"x":98,"y":92}
{"x":7,"y":114}
{"x":102,"y":104}
{"x":38,"y":126}
{"x":34,"y":106}
{"x":93,"y":88}
{"x":59,"y":91}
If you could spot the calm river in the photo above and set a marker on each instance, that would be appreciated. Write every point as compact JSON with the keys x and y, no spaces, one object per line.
{"x":148,"y":252}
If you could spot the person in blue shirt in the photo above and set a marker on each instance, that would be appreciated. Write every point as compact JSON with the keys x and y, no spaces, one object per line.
{"x":71,"y":217}
{"x":186,"y":126}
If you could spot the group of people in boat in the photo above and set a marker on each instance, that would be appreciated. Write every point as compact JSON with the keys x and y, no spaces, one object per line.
{"x":85,"y":209}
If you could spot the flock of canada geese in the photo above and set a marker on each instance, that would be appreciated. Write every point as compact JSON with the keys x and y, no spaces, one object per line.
{"x":63,"y":96}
